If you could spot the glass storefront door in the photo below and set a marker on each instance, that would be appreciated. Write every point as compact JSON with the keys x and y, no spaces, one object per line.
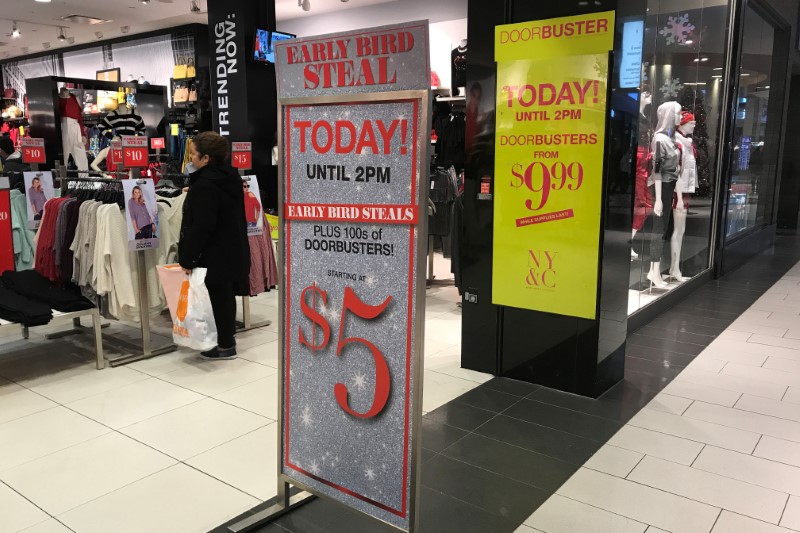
{"x":756,"y":131}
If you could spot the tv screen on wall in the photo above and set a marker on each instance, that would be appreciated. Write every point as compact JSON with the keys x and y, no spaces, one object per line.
{"x":265,"y":44}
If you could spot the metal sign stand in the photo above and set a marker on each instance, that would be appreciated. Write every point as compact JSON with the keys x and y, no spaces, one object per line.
{"x":144,"y":317}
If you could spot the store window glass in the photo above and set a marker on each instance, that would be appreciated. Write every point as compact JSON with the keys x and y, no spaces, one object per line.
{"x":751,"y":194}
{"x":680,"y":113}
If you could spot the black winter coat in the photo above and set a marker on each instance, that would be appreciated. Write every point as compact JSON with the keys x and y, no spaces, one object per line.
{"x":214,"y":229}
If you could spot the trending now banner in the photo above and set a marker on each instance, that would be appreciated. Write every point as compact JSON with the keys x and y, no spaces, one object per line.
{"x":550,"y":145}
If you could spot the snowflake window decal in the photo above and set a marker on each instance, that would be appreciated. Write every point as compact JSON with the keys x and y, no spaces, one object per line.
{"x":671,"y":87}
{"x":678,"y":29}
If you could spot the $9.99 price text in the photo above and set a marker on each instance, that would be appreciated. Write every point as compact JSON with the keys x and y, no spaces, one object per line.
{"x":543,"y":179}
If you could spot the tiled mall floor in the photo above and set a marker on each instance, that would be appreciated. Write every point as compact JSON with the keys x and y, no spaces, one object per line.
{"x":170,"y":444}
{"x":717,"y":450}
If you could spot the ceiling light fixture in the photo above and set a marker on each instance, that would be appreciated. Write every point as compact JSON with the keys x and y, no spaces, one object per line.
{"x":61,"y":36}
{"x":305,"y":4}
{"x":688,"y":41}
{"x":719,"y":68}
{"x":15,"y":30}
{"x":45,"y":45}
{"x":98,"y":34}
{"x":703,"y":59}
{"x":194,"y":8}
{"x":124,"y":29}
{"x":145,"y":2}
{"x":43,"y":1}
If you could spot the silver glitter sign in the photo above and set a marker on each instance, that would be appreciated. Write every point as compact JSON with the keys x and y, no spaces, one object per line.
{"x":352,"y":300}
{"x":387,"y":58}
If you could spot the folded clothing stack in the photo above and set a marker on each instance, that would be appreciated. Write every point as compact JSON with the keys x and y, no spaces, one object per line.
{"x":31,"y":284}
{"x":22,"y":310}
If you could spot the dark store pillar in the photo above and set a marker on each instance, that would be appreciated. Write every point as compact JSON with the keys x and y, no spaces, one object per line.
{"x":572,"y":354}
{"x":243,"y":97}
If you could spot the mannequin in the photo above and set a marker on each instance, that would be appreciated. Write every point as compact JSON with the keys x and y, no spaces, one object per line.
{"x":102,"y":157}
{"x":643,"y":202}
{"x":72,"y":141}
{"x":666,"y":170}
{"x":122,"y":122}
{"x":458,"y":69}
{"x":687,"y":183}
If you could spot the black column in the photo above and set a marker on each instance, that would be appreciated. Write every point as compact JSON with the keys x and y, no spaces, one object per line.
{"x":243,"y":95}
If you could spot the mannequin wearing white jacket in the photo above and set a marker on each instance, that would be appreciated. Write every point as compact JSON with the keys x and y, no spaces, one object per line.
{"x":687,"y":184}
{"x":666,"y":171}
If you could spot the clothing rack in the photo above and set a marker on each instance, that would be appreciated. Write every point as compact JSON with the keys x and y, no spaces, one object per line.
{"x":146,"y":348}
{"x":247,"y":322}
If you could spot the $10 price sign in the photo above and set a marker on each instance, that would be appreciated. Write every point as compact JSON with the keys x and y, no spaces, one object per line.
{"x":134,"y":151}
{"x":33,"y":150}
{"x":550,"y":142}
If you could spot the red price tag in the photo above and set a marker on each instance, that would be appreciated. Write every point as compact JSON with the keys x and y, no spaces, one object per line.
{"x":157,"y":143}
{"x":33,"y":151}
{"x":243,"y":160}
{"x":242,"y":155}
{"x":134,"y":157}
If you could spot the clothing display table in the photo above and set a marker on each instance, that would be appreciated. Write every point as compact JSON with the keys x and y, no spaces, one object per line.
{"x":75,"y":316}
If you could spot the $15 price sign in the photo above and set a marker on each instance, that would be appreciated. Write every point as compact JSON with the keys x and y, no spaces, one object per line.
{"x":242,"y":155}
{"x":134,"y":152}
{"x":33,"y":150}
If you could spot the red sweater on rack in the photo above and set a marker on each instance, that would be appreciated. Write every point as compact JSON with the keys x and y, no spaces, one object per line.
{"x":45,"y":252}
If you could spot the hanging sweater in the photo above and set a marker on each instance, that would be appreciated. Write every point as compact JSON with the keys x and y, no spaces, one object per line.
{"x":22,"y":236}
{"x":115,"y":123}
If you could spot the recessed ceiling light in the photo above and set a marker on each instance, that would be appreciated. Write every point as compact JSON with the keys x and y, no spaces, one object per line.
{"x":703,"y":59}
{"x":124,"y":29}
{"x":689,"y":41}
{"x":718,"y":68}
{"x":744,"y":74}
{"x":98,"y":34}
{"x":716,"y":76}
{"x":43,"y":1}
{"x":15,"y":30}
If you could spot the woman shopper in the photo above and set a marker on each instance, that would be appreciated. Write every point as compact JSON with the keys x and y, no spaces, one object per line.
{"x":214,"y":235}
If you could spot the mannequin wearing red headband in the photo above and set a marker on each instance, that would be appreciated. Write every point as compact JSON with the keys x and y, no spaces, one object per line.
{"x":687,"y":184}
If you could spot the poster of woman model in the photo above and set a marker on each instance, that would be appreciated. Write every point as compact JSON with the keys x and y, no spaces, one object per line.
{"x":141,"y":214}
{"x":253,"y":211}
{"x":38,"y":189}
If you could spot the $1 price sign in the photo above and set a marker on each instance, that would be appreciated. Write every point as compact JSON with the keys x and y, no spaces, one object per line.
{"x":242,"y":155}
{"x":134,"y":152}
{"x":33,"y":151}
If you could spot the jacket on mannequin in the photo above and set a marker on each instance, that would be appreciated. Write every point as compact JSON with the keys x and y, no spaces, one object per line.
{"x":666,"y":170}
{"x":71,"y":115}
{"x":642,"y":201}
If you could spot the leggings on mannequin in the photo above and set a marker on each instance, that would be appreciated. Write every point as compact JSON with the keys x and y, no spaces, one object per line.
{"x":223,"y":304}
{"x":72,"y":143}
{"x":660,"y":224}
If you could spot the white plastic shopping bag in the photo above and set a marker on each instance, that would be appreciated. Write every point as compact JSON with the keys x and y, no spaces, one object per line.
{"x":193,"y":325}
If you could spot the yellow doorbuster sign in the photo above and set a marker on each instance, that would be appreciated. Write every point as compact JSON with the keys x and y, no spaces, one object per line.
{"x":565,"y":36}
{"x":550,"y":145}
